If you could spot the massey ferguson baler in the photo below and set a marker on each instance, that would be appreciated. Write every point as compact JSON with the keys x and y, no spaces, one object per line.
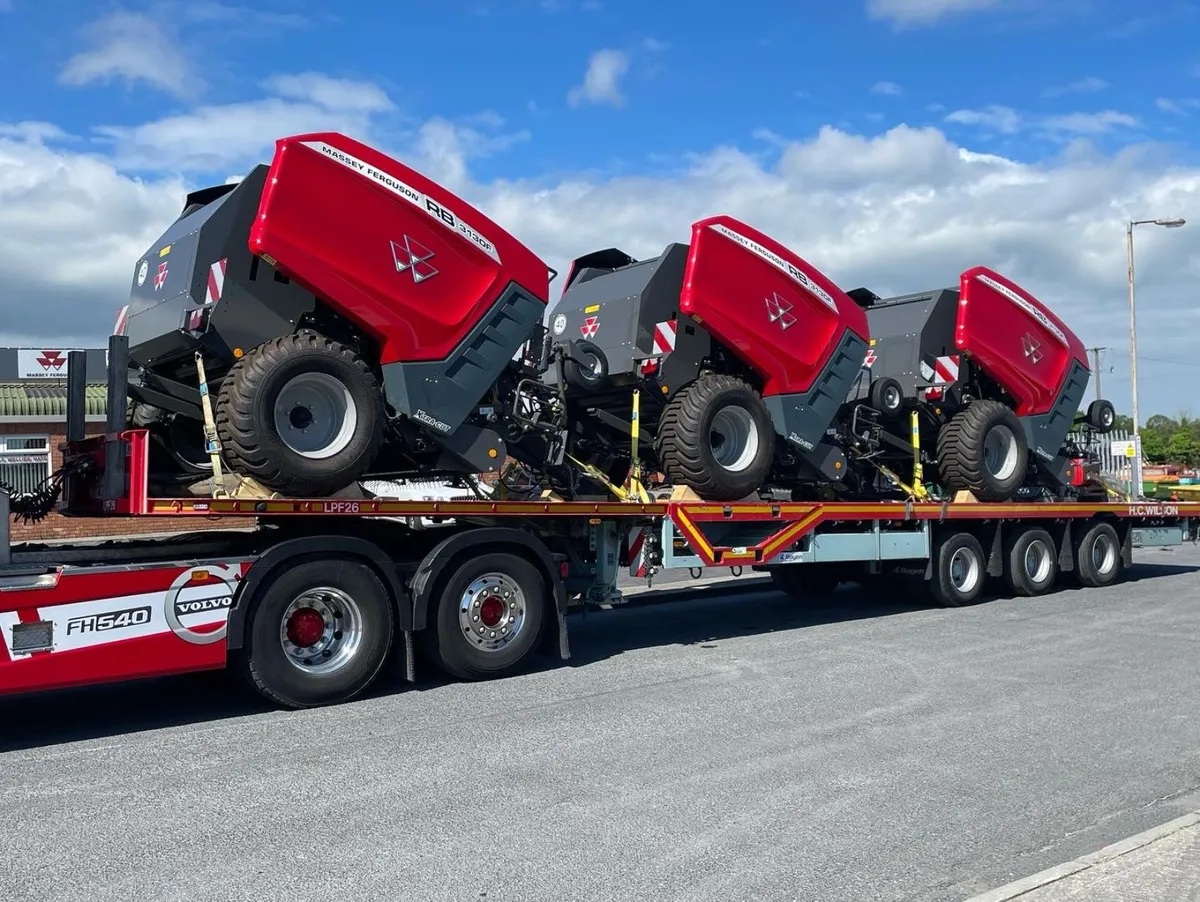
{"x":352,"y":317}
{"x":743,"y":355}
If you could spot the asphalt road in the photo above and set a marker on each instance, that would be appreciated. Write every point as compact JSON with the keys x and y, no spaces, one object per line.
{"x":732,"y":748}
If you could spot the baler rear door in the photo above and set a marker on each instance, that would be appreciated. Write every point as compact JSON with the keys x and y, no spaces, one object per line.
{"x":782,"y":316}
{"x":1016,"y":340}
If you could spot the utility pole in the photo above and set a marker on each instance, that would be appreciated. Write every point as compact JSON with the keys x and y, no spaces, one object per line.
{"x":1095,"y":352}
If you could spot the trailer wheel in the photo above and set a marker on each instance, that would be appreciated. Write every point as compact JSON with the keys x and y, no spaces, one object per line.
{"x":1030,"y":562}
{"x":318,"y":634}
{"x":983,"y":450}
{"x":806,"y":581}
{"x":301,"y":414}
{"x":959,"y":571}
{"x":489,"y":619}
{"x":1098,"y":557}
{"x":715,"y":436}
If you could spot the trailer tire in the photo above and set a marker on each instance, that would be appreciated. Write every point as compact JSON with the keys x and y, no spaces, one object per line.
{"x":959,"y":571}
{"x":715,"y":436}
{"x":272,"y":396}
{"x":806,"y":581}
{"x":1030,"y":562}
{"x":490,"y":616}
{"x":1101,"y":415}
{"x":983,"y":450}
{"x":318,"y":633}
{"x":1098,"y":557}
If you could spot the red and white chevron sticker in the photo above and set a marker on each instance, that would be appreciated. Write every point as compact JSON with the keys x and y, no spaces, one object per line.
{"x":664,"y":337}
{"x":216,"y":282}
{"x":637,"y":552}
{"x":945,"y":370}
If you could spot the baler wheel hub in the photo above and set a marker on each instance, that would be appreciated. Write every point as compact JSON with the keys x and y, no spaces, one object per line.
{"x":1000,"y":452}
{"x":734,"y":438}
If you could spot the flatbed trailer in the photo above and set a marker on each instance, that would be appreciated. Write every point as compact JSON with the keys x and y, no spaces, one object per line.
{"x":310,"y":598}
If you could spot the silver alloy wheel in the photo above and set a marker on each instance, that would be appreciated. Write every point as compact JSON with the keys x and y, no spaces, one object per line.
{"x":733,"y":438}
{"x":892,"y":399}
{"x":1000,"y":452}
{"x":491,"y":612}
{"x":321,"y":630}
{"x":315,"y":415}
{"x":964,"y":571}
{"x":1104,"y":554}
{"x":1038,"y":561}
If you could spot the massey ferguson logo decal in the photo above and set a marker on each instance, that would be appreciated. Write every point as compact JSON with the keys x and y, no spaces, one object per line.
{"x":412,"y":256}
{"x":52,"y":360}
{"x":1032,"y":348}
{"x":590,"y":327}
{"x":160,"y":277}
{"x":780,"y":311}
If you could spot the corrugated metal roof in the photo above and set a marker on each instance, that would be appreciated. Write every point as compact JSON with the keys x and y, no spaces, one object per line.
{"x":35,"y":399}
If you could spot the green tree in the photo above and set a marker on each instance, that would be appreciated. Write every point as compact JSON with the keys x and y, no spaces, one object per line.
{"x":1163,"y":425}
{"x":1183,"y":448}
{"x":1154,"y":445}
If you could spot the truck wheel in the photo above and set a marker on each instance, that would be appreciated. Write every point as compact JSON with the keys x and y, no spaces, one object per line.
{"x":959,"y":571}
{"x":489,"y":618}
{"x":318,"y":634}
{"x":806,"y":581}
{"x":301,"y":414}
{"x":983,"y":450}
{"x":715,"y":436}
{"x":1030,"y":562}
{"x":1098,"y":556}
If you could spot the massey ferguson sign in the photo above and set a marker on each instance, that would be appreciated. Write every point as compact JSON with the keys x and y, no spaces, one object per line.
{"x":42,"y":363}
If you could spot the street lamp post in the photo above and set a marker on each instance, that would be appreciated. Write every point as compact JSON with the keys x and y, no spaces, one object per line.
{"x":1169,"y":223}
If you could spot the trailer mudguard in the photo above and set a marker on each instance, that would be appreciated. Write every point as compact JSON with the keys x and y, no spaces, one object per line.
{"x":494,"y":538}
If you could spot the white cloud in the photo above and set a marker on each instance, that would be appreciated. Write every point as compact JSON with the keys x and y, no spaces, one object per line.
{"x":215,"y":137}
{"x":1089,"y":85}
{"x":602,"y":80}
{"x":924,"y":12}
{"x":906,"y":209}
{"x":889,"y":88}
{"x":133,"y":47}
{"x":1169,"y":106}
{"x":999,"y":118}
{"x":1008,"y":121}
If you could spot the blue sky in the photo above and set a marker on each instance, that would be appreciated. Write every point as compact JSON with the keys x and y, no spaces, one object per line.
{"x":892,"y":143}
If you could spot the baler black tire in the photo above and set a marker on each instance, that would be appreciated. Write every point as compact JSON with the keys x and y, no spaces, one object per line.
{"x":1101,"y":416}
{"x":684,"y":449}
{"x":246,"y":425}
{"x":887,"y":396}
{"x":587,"y":378}
{"x":961,"y":452}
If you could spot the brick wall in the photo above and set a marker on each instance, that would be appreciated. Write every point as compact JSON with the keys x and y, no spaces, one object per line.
{"x":56,"y":526}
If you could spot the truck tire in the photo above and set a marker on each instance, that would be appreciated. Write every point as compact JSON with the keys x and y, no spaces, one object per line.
{"x":806,"y":581}
{"x":1098,"y":556}
{"x":301,"y":414}
{"x":1030,"y":562}
{"x":318,"y":633}
{"x":959,"y":570}
{"x":983,"y":450}
{"x":489,"y":619}
{"x":715,"y":436}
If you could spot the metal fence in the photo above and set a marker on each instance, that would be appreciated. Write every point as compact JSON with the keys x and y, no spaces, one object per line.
{"x":1110,"y":464}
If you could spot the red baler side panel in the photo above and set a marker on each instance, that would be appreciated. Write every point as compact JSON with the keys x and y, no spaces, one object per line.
{"x":394,"y":252}
{"x":781,"y":315}
{"x":1016,"y":339}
